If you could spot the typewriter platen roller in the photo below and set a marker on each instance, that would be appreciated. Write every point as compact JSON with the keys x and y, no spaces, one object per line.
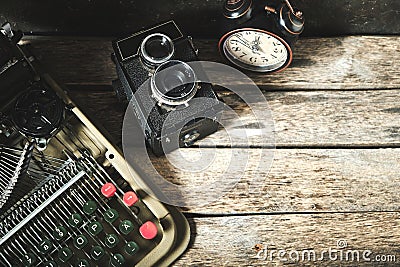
{"x":68,"y":198}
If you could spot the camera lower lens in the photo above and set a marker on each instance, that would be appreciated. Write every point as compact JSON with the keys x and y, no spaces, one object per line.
{"x":156,"y":49}
{"x":174,"y":83}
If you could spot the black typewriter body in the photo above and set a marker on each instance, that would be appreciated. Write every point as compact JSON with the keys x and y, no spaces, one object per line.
{"x":68,"y":197}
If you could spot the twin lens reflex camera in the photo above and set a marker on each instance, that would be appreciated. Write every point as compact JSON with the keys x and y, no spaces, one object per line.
{"x":155,"y":74}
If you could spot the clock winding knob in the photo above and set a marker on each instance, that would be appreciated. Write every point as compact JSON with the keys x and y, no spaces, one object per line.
{"x":234,"y":9}
{"x":291,"y":19}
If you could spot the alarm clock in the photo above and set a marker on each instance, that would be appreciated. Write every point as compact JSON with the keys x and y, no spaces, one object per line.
{"x":259,"y":36}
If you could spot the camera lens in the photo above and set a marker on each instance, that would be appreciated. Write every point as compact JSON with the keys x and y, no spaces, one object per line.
{"x":174,"y":83}
{"x":156,"y":49}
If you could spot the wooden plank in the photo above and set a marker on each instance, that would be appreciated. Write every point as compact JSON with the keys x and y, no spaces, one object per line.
{"x":299,"y":180}
{"x":231,"y":241}
{"x":102,"y":17}
{"x":354,"y":62}
{"x":301,"y":119}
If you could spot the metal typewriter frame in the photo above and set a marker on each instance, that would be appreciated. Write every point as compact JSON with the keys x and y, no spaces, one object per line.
{"x":176,"y":231}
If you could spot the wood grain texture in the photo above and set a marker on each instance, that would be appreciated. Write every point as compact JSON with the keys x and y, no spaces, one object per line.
{"x":199,"y":18}
{"x":231,"y":241}
{"x":362,"y":62}
{"x":299,"y":180}
{"x":300,"y":119}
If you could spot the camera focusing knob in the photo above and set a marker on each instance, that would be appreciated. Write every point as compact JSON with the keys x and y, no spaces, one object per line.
{"x":234,"y":9}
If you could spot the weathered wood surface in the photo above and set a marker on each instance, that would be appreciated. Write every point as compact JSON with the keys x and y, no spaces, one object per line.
{"x":231,"y":241}
{"x":354,"y":62}
{"x":301,"y":119}
{"x":299,"y":180}
{"x":316,"y":192}
{"x":200,"y":18}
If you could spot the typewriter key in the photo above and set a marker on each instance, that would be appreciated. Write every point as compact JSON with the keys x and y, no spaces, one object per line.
{"x":65,"y":254}
{"x":50,"y":264}
{"x":131,"y":248}
{"x":82,"y":263}
{"x":80,"y":241}
{"x":97,"y":253}
{"x":111,"y":240}
{"x":117,"y":260}
{"x":95,"y":228}
{"x":111,"y":215}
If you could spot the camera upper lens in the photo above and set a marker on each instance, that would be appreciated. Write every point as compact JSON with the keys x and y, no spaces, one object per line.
{"x":156,"y":49}
{"x":174,"y":83}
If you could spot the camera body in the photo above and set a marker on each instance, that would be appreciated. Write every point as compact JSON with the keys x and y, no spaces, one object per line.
{"x":154,"y":76}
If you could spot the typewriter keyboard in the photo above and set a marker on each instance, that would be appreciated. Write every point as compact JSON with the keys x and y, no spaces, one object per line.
{"x":80,"y":217}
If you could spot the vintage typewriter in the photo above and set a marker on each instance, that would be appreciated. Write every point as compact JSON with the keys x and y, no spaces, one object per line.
{"x":67,"y":196}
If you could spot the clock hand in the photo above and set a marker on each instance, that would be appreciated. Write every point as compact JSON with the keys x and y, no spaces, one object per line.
{"x":247,"y":44}
{"x":244,"y":42}
{"x":255,"y":50}
{"x":259,"y":48}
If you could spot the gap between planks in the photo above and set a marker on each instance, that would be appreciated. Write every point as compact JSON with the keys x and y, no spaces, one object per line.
{"x":287,"y":180}
{"x":231,"y":241}
{"x":338,"y":119}
{"x":338,"y":63}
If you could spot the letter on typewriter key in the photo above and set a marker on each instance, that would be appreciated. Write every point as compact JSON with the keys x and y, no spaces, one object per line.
{"x":45,"y":246}
{"x":111,"y":215}
{"x":65,"y":254}
{"x":59,"y":233}
{"x":130,"y":198}
{"x":108,"y":190}
{"x":117,"y":260}
{"x":82,"y":263}
{"x":95,"y":228}
{"x":111,"y":240}
{"x":97,"y":252}
{"x":80,"y":241}
{"x":75,"y":220}
{"x":89,"y":207}
{"x":29,"y":259}
{"x":131,"y":248}
{"x":126,"y":227}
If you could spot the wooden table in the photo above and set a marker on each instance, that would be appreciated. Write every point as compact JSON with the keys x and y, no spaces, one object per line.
{"x":335,"y":176}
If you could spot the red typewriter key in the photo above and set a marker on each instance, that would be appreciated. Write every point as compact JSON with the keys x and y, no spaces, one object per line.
{"x":108,"y":190}
{"x":148,"y":230}
{"x":130,"y":198}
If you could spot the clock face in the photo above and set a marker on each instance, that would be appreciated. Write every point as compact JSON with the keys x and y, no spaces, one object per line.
{"x":256,"y":50}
